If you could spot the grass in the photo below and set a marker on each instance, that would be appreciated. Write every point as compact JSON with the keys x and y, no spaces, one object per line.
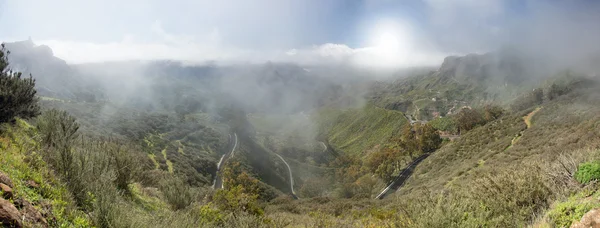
{"x":355,"y":130}
{"x":21,"y":163}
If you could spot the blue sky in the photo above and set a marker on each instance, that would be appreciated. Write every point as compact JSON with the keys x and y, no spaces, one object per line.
{"x":420,"y":32}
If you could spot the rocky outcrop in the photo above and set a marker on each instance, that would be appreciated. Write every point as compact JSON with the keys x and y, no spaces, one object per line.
{"x":30,"y":214}
{"x":9,"y":215}
{"x":21,"y":212}
{"x":7,"y":192}
{"x":6,"y":180}
{"x":590,"y":219}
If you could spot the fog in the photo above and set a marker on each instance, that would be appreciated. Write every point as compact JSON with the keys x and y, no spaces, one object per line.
{"x":286,"y":57}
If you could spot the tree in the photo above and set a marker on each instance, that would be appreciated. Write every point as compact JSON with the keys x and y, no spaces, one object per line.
{"x":430,"y":139}
{"x":468,"y":119}
{"x":408,"y":140}
{"x":492,"y":112}
{"x":240,"y":193}
{"x":17,"y":94}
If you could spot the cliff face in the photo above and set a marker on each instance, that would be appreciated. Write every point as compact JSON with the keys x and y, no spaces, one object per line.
{"x":53,"y":76}
{"x":504,"y":67}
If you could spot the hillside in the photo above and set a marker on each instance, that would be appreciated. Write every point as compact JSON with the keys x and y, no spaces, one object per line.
{"x":355,"y":130}
{"x":147,"y":140}
{"x":471,"y":80}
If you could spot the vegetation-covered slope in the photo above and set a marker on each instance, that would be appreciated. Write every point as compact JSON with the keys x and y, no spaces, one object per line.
{"x":355,"y":130}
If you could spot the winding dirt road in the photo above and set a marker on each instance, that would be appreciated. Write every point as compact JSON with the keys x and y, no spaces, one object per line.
{"x":218,"y":182}
{"x":291,"y":177}
{"x":324,"y":147}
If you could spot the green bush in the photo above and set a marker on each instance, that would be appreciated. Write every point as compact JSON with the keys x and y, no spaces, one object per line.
{"x":17,"y":95}
{"x":567,"y":212}
{"x":587,"y":172}
{"x":177,"y":193}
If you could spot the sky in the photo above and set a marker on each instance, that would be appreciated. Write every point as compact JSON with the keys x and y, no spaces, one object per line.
{"x":372,"y":33}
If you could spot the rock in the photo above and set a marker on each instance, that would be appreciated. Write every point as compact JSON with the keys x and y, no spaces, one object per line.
{"x":7,"y":191}
{"x":9,"y":215}
{"x":32,"y":184}
{"x":31,"y":215}
{"x":590,"y":219}
{"x":6,"y":180}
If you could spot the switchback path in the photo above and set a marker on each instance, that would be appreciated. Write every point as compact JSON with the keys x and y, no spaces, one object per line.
{"x":324,"y":146}
{"x":291,"y":177}
{"x":218,"y":182}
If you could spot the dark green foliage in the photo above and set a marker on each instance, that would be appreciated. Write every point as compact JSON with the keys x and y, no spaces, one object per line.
{"x":429,"y":140}
{"x":177,"y":193}
{"x":58,"y":131}
{"x":587,"y":172}
{"x":125,"y":164}
{"x":17,"y":94}
{"x":492,"y":112}
{"x":468,"y":119}
{"x":57,"y":128}
{"x":414,"y":141}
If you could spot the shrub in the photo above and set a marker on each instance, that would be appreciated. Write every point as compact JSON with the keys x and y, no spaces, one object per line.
{"x":237,"y":200}
{"x":313,"y":187}
{"x":17,"y":94}
{"x":57,"y":128}
{"x":567,"y":212}
{"x":587,"y":172}
{"x":468,"y":119}
{"x":492,"y":112}
{"x":177,"y":193}
{"x":58,"y":131}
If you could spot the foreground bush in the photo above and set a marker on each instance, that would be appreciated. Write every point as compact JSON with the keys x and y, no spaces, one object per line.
{"x":587,"y":172}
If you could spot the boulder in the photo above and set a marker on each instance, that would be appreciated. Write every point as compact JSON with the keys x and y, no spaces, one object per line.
{"x":7,"y":191}
{"x":9,"y":215}
{"x":6,"y":180}
{"x":590,"y":219}
{"x":31,"y":215}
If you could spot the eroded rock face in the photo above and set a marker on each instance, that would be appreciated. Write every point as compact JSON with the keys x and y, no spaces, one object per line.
{"x":6,"y":180}
{"x":30,"y":214}
{"x":9,"y":215}
{"x":7,"y":192}
{"x":590,"y":219}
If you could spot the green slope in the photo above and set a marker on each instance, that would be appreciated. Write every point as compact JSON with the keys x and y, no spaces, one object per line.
{"x":356,"y":130}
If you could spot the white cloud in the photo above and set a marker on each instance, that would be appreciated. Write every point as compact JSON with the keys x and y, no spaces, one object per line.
{"x":188,"y":48}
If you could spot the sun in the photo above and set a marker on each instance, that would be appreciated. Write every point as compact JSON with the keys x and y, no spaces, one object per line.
{"x":387,"y":40}
{"x":388,"y":35}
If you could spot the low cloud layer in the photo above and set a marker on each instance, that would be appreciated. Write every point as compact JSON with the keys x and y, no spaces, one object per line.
{"x":367,"y":33}
{"x":211,"y":48}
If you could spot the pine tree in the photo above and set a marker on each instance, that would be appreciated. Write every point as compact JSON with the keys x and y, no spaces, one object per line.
{"x":17,"y":94}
